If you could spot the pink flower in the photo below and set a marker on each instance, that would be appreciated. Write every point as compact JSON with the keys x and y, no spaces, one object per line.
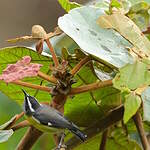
{"x":23,"y":68}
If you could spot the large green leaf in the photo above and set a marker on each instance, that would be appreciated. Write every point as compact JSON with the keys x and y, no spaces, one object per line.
{"x":90,"y":106}
{"x":5,"y":135}
{"x":12,"y":55}
{"x":132,"y":104}
{"x":105,"y":45}
{"x":132,"y":76}
{"x":146,"y":104}
{"x":67,"y":5}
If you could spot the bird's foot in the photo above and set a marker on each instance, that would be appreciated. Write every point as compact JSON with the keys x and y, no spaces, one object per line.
{"x":61,"y":147}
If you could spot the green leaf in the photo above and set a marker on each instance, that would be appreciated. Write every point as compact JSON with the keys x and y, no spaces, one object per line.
{"x":67,"y":5}
{"x":5,"y":125}
{"x":103,"y":5}
{"x":5,"y":135}
{"x":105,"y":45}
{"x":115,"y":3}
{"x":12,"y":55}
{"x":139,"y":14}
{"x":146,"y":104}
{"x":119,"y":140}
{"x":132,"y":76}
{"x":132,"y":104}
{"x":92,"y":144}
{"x":91,"y":106}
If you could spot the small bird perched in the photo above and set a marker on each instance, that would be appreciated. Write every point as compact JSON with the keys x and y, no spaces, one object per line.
{"x":48,"y":119}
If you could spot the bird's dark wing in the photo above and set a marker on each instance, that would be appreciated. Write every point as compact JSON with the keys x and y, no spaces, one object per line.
{"x":51,"y":117}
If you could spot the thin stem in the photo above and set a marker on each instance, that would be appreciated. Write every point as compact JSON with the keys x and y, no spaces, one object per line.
{"x":139,"y":125}
{"x":33,"y":86}
{"x":18,"y":116}
{"x":52,"y":52}
{"x":147,"y":31}
{"x":47,"y":77}
{"x":80,"y":65}
{"x":90,"y":87}
{"x":29,"y":139}
{"x":103,"y":140}
{"x":20,"y":125}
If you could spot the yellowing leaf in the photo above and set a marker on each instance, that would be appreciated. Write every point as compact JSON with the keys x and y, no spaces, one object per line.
{"x":128,"y":29}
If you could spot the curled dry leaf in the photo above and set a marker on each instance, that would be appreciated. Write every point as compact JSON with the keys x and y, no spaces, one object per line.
{"x":23,"y":68}
{"x":38,"y":33}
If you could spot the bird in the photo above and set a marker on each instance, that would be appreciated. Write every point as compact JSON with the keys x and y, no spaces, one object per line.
{"x":47,"y":119}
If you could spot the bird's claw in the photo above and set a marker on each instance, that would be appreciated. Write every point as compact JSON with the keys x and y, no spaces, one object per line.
{"x":61,"y":147}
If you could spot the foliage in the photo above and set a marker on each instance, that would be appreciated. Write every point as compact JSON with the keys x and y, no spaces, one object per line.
{"x":67,"y":5}
{"x":104,"y":49}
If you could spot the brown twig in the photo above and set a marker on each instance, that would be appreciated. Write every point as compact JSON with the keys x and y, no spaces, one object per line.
{"x":33,"y":86}
{"x":47,"y":77}
{"x":90,"y":87}
{"x":52,"y":52}
{"x":101,"y":125}
{"x":139,"y":125}
{"x":103,"y":140}
{"x":147,"y":31}
{"x":29,"y":139}
{"x":20,"y":125}
{"x":80,"y":65}
{"x":17,"y":117}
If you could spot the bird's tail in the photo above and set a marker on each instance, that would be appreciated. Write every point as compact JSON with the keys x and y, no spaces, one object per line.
{"x":79,"y":133}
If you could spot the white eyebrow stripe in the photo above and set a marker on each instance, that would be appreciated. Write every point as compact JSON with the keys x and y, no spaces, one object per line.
{"x":30,"y":105}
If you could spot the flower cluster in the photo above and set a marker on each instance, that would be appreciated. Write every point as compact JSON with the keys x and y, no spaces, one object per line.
{"x":23,"y":68}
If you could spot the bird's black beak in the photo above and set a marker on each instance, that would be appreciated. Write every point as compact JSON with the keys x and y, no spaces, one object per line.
{"x":25,"y":93}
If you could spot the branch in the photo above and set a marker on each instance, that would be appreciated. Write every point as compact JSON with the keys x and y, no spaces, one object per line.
{"x":18,"y":116}
{"x":139,"y":125}
{"x":147,"y":31}
{"x":47,"y":77}
{"x":52,"y":52}
{"x":20,"y":125}
{"x":80,"y":65}
{"x":103,"y":140}
{"x":90,"y":87}
{"x":33,"y":86}
{"x":101,"y":125}
{"x":29,"y":139}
